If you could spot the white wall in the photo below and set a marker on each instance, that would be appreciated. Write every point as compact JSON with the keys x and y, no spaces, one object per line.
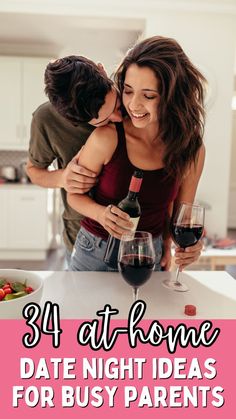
{"x":208,"y":39}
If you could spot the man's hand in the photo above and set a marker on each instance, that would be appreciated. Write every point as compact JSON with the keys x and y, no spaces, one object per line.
{"x":77,"y":179}
{"x":185,"y":257}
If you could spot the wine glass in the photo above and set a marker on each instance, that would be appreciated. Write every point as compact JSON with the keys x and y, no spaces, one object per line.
{"x":186,"y":230}
{"x":136,"y":259}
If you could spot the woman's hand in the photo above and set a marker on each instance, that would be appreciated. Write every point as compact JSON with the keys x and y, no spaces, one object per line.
{"x":189,"y":255}
{"x":115,"y":221}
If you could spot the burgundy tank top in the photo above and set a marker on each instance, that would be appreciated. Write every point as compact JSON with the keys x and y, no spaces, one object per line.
{"x":157,"y":190}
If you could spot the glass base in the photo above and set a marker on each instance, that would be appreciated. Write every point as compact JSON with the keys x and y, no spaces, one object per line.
{"x":175,"y":286}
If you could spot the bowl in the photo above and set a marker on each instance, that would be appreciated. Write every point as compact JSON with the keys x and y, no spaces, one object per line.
{"x":12,"y":309}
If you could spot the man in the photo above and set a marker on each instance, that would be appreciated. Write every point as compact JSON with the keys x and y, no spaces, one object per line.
{"x":82,"y":97}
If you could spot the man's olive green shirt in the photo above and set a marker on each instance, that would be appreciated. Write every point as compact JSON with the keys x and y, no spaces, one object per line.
{"x":55,"y":138}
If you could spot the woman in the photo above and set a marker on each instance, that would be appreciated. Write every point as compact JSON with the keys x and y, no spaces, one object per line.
{"x":162,"y":94}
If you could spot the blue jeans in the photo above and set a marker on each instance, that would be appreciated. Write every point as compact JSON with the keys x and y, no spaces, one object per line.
{"x":89,"y":251}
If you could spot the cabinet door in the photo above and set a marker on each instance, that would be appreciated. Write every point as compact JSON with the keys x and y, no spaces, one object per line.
{"x":3,"y":220}
{"x":33,"y":91}
{"x":27,"y":219}
{"x":22,"y":91}
{"x":11,"y":109}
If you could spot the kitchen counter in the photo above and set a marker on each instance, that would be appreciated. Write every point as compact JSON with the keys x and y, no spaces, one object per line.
{"x":81,"y":294}
{"x":17,"y":185}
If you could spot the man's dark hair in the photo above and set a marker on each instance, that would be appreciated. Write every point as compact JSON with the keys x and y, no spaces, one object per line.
{"x":76,"y":87}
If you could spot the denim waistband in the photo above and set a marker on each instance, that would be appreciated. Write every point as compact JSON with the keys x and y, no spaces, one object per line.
{"x":98,"y":240}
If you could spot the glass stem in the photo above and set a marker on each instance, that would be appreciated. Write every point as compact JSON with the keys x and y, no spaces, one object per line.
{"x":177,"y":281}
{"x":135,"y":293}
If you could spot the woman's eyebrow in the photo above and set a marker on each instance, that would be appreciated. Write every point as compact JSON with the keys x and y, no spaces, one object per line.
{"x":143,"y":90}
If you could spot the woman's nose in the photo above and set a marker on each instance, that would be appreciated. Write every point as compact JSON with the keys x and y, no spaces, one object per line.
{"x":134,"y":104}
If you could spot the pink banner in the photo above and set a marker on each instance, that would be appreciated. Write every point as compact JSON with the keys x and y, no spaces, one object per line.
{"x":147,"y":381}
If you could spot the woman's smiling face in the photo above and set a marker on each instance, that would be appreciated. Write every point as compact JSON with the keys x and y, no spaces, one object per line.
{"x":140,"y":95}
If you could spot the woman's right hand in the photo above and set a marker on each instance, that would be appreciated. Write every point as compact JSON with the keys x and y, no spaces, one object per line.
{"x":115,"y":221}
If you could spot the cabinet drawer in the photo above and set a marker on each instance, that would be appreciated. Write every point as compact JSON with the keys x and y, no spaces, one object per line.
{"x":28,"y":219}
{"x":24,"y":219}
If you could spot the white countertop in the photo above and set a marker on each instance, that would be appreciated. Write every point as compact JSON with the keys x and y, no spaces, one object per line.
{"x":18,"y":185}
{"x":81,"y":294}
{"x":211,"y":251}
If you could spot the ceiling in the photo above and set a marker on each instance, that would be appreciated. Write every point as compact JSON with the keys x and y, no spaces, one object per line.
{"x":100,"y":39}
{"x":104,"y":39}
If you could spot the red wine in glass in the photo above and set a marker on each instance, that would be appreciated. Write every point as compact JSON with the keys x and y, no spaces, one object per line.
{"x":186,"y":235}
{"x":136,"y":259}
{"x":186,"y":229}
{"x":136,"y":270}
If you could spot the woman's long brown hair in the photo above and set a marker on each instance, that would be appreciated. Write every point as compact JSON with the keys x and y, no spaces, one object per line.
{"x":180,"y":110}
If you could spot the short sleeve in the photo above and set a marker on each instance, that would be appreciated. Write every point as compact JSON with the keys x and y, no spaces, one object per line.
{"x":40,"y":153}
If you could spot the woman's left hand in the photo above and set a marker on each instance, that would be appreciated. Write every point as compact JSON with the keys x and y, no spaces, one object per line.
{"x":185,"y":257}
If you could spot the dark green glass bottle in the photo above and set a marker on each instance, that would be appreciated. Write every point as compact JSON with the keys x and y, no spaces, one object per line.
{"x":131,"y":206}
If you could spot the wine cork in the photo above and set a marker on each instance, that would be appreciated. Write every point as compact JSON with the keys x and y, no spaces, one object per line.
{"x":190,"y":310}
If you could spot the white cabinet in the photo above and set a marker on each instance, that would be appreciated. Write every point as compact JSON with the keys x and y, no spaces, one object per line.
{"x":33,"y":91}
{"x":11,"y":107}
{"x":22,"y":91}
{"x":25,"y":222}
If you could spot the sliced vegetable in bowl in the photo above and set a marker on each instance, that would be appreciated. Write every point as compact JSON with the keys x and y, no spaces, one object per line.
{"x":18,"y":288}
{"x":10,"y":290}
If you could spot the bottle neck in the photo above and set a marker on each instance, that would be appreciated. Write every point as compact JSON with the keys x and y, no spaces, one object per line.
{"x":132,"y":195}
{"x":135,"y":185}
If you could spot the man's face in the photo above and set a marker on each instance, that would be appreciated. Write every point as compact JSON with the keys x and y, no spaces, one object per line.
{"x":110,"y":110}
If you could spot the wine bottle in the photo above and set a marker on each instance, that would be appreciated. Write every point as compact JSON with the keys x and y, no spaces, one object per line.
{"x":131,"y":206}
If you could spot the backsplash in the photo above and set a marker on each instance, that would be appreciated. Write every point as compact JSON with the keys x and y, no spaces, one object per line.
{"x":14,"y":158}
